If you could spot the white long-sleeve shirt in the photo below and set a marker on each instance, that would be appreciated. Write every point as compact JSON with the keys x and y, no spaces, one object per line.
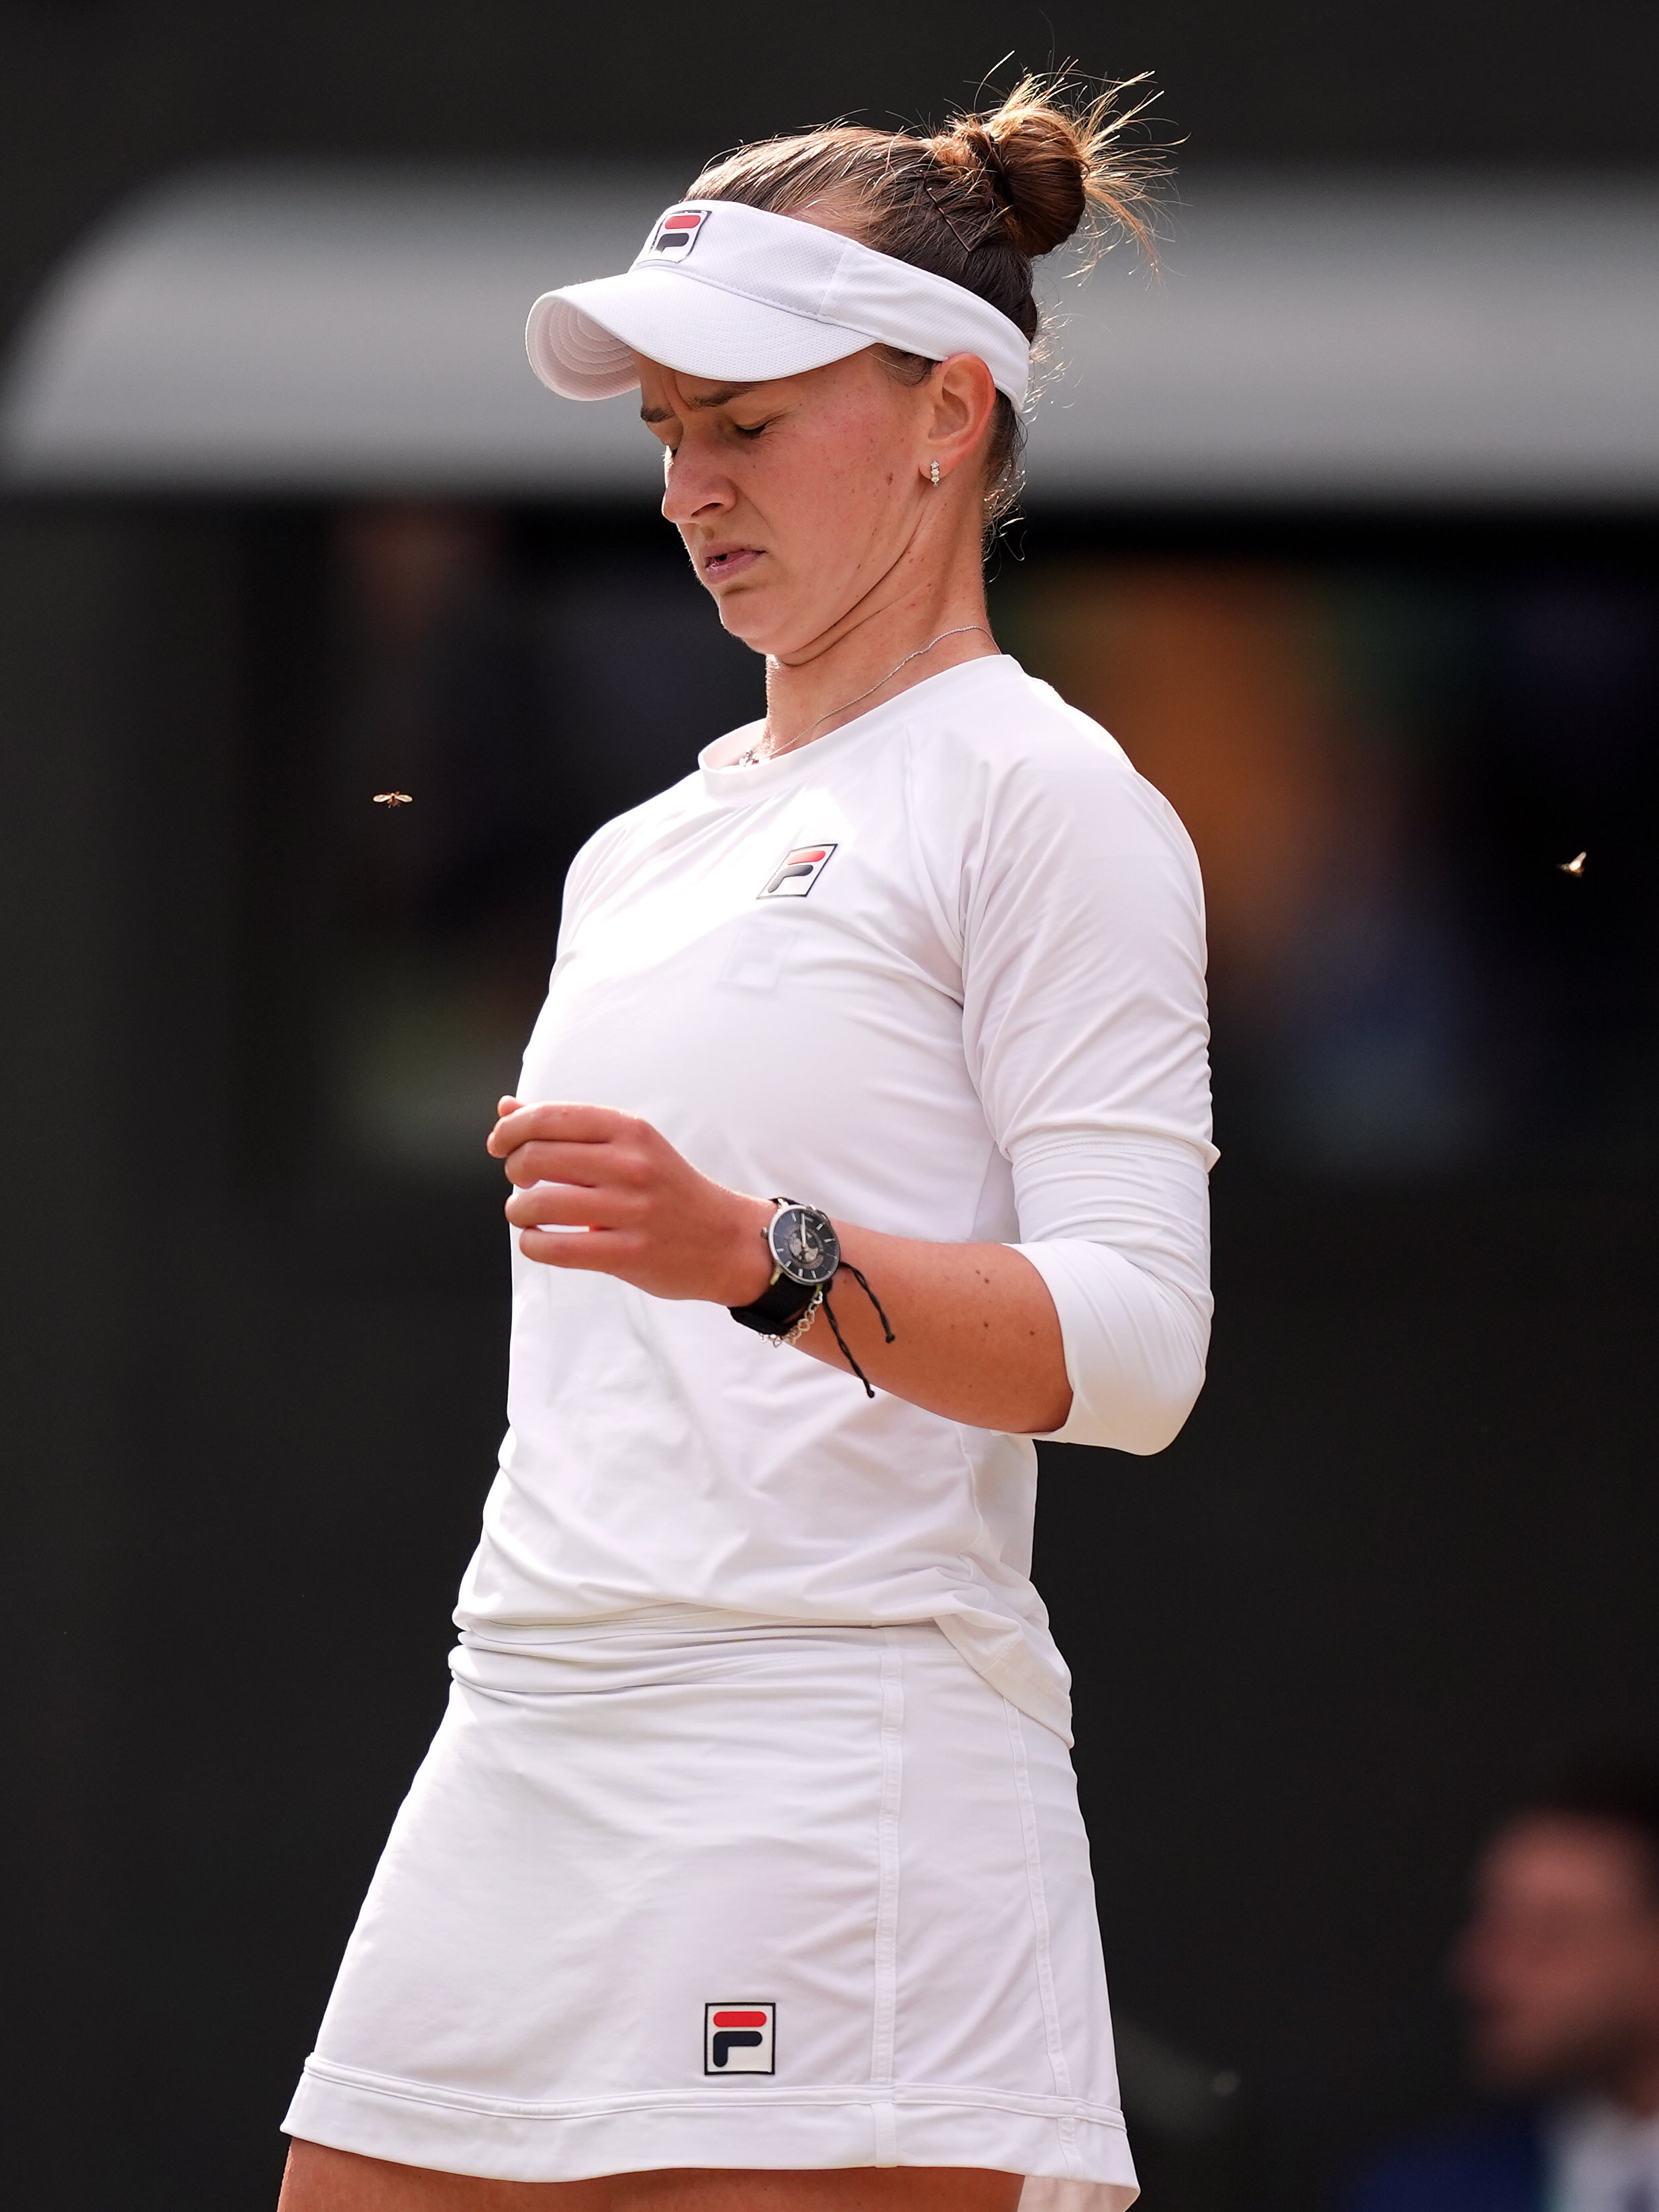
{"x":941,"y":973}
{"x":1602,"y":2158}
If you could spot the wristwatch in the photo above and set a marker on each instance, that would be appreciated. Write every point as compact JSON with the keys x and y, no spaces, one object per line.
{"x":806,"y":1254}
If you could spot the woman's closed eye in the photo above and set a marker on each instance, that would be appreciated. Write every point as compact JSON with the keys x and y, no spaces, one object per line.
{"x":747,"y":431}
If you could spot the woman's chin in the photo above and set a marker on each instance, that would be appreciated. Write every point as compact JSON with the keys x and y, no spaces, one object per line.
{"x":749,"y":612}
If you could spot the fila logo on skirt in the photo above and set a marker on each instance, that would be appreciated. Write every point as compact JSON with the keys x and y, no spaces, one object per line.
{"x":736,"y":2038}
{"x":796,"y":872}
{"x":676,"y":234}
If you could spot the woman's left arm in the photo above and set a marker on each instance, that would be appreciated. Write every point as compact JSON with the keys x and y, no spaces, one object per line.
{"x":976,"y":1335}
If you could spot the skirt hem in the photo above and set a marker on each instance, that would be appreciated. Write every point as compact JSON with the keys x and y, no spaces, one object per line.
{"x":1075,"y":2158}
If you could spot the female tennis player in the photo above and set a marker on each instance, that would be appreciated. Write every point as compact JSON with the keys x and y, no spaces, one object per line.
{"x":863,"y":1137}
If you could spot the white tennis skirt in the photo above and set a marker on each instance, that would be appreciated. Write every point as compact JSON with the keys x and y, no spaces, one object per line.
{"x":718,"y":1896}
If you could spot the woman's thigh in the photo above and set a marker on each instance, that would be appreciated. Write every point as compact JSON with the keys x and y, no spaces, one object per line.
{"x":323,"y":2180}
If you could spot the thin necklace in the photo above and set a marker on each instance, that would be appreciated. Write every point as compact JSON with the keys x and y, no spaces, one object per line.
{"x":752,"y":756}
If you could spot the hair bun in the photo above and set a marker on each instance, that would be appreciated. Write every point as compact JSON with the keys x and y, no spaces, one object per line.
{"x":1046,"y":165}
{"x":1034,"y":164}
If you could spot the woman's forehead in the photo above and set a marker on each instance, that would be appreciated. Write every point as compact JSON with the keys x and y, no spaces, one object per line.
{"x":667,"y":390}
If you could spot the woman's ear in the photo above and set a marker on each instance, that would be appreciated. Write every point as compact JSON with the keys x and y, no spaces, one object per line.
{"x":961,"y":397}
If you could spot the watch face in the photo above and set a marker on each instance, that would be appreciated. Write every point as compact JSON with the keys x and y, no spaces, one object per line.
{"x":804,"y":1245}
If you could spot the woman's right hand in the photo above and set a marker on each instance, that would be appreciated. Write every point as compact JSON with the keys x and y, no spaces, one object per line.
{"x":649,"y":1217}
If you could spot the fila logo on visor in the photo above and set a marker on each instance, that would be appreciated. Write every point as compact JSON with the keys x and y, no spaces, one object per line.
{"x":796,"y":872}
{"x":736,"y":2038}
{"x":677,"y":233}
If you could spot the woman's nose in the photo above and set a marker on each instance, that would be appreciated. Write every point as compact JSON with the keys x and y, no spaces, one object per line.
{"x":693,"y":488}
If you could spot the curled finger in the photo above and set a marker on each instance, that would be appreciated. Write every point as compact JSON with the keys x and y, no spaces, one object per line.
{"x":599,"y":1250}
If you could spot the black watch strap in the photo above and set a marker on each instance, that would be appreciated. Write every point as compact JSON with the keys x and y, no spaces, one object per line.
{"x":777,"y":1308}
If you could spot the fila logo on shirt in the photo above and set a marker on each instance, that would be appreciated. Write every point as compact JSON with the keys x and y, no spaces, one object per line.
{"x":796,"y":872}
{"x":736,"y":2038}
{"x":677,"y":233}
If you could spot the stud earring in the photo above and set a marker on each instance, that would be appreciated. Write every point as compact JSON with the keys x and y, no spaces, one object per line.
{"x":933,"y":473}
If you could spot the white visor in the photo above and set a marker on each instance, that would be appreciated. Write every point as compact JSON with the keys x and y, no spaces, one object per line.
{"x":729,"y":292}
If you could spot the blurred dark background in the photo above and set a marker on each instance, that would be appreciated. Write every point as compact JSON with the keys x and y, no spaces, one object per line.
{"x":254,"y":1269}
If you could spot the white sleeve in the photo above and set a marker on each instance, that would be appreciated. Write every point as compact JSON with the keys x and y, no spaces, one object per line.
{"x":1118,"y":1230}
{"x":1084,"y":1015}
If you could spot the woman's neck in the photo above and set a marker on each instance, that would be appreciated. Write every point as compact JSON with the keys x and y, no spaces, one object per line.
{"x":871,"y":659}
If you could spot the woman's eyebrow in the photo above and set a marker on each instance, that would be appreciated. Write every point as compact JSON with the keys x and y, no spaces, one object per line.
{"x":718,"y":398}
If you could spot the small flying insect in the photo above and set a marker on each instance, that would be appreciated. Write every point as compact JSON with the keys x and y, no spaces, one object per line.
{"x":1574,"y":867}
{"x":393,"y":799}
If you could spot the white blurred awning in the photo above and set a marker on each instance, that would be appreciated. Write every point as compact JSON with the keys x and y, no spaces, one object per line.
{"x":1317,"y":337}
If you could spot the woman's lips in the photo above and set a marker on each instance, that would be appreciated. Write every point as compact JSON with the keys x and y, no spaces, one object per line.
{"x":726,"y":562}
